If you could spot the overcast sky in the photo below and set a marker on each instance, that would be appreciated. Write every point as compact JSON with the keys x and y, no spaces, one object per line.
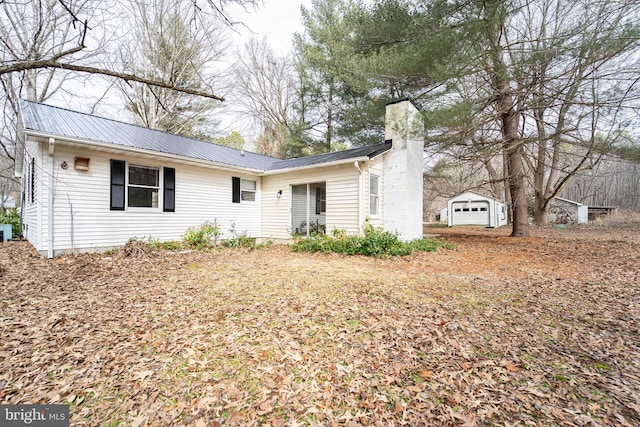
{"x":277,"y":20}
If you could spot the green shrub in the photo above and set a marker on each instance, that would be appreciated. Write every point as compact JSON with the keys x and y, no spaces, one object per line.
{"x":242,"y":241}
{"x":375,"y":242}
{"x":12,"y":217}
{"x":202,"y":236}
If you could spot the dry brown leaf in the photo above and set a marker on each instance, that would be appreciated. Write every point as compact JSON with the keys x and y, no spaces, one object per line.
{"x":511,"y":367}
{"x":425,"y":374}
{"x":241,"y":336}
{"x":139,"y":420}
{"x":143,"y":374}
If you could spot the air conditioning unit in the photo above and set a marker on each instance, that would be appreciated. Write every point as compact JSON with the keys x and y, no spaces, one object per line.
{"x":5,"y":232}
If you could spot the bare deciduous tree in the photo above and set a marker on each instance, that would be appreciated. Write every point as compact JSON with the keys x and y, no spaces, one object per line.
{"x":554,"y":88}
{"x":267,"y":90}
{"x":46,"y":42}
{"x":169,"y":44}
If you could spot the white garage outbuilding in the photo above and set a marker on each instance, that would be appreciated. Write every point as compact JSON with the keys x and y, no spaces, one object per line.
{"x":475,"y":209}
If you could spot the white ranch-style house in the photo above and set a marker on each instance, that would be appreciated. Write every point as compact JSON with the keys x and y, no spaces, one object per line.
{"x":92,"y":183}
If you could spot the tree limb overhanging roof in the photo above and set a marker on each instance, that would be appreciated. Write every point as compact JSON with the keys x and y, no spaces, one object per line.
{"x":64,"y":123}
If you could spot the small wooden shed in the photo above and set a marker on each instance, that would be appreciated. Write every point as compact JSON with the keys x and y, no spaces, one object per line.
{"x":564,"y":211}
{"x":475,"y":209}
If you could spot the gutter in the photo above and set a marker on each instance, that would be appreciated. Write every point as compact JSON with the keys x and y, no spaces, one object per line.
{"x":112,"y":148}
{"x":348,"y":161}
{"x":52,"y":144}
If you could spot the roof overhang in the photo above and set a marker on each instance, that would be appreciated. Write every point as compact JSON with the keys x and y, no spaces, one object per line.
{"x":111,"y":148}
{"x":317,"y":165}
{"x":118,"y":149}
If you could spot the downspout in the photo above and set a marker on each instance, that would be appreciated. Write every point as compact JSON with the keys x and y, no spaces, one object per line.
{"x":308,"y":210}
{"x":52,"y":143}
{"x":18,"y":166}
{"x":23,"y":199}
{"x":360,"y":194}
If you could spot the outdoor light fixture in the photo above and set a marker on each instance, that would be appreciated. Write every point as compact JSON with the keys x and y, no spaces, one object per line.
{"x":64,"y":165}
{"x":279,"y":193}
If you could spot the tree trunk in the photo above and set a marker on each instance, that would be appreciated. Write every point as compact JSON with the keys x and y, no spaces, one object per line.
{"x":512,"y":145}
{"x":330,"y":117}
{"x":513,"y":150}
{"x":541,"y":211}
{"x":506,"y":192}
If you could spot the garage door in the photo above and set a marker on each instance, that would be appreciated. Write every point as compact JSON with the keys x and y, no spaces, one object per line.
{"x":471,"y":213}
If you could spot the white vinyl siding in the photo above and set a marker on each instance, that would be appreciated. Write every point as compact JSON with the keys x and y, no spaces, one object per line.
{"x":201,"y":194}
{"x":342,"y":195}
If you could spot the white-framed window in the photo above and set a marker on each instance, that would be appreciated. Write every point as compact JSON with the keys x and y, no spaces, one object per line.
{"x":143,"y":187}
{"x":374,"y":195}
{"x":321,"y":200}
{"x":247,"y":190}
{"x":139,"y":186}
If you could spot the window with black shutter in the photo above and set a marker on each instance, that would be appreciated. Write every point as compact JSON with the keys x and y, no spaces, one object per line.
{"x":32,"y":178}
{"x":117,"y":185}
{"x":169,"y":193}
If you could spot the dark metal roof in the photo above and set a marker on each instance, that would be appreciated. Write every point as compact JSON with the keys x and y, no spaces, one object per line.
{"x":368,"y":151}
{"x":58,"y":121}
{"x":73,"y":124}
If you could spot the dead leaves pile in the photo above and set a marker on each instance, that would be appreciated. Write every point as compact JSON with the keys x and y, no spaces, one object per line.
{"x":239,"y":337}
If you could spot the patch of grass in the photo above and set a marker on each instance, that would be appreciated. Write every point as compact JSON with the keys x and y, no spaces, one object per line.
{"x":353,"y":324}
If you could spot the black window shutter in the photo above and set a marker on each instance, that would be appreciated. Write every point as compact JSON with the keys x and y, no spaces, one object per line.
{"x":117,"y":185}
{"x":236,"y":189}
{"x":32,"y":177}
{"x":169,"y":194}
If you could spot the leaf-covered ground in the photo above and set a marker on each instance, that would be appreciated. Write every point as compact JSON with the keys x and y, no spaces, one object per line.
{"x":500,"y":331}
